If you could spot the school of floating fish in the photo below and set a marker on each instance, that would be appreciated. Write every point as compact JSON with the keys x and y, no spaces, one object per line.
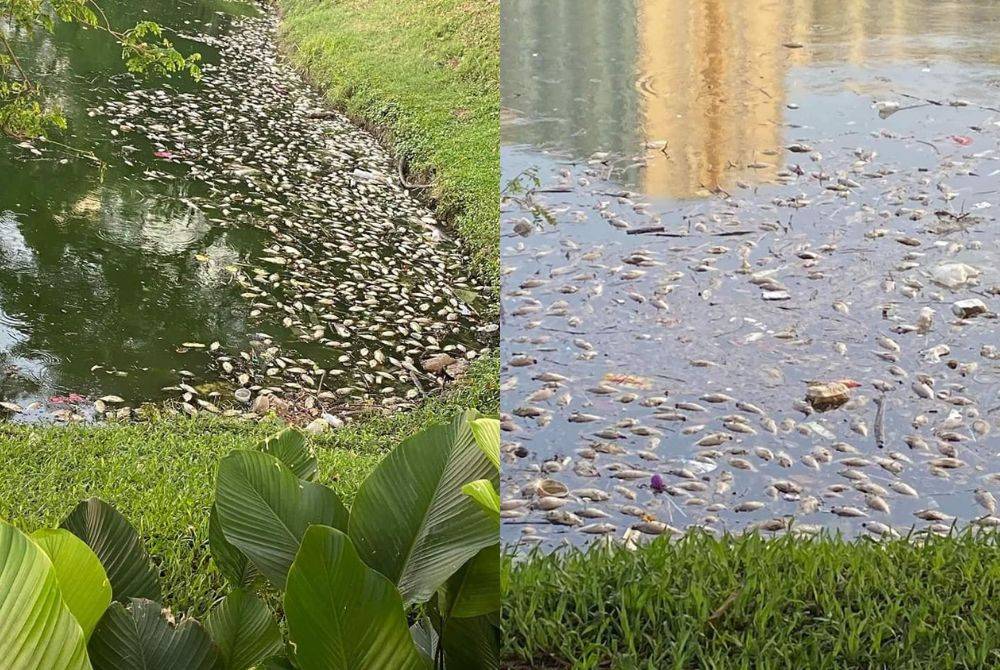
{"x":361,"y":299}
{"x":820,"y":352}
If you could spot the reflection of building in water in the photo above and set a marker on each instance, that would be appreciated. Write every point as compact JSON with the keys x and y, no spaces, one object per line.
{"x":846,"y":30}
{"x":706,"y":76}
{"x":590,"y":75}
{"x":712,"y":89}
{"x":568,"y":74}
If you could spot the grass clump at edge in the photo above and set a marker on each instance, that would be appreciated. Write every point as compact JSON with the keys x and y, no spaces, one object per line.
{"x":747,"y":602}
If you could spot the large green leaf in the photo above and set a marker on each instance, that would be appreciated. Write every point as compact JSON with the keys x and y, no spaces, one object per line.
{"x":425,"y":636}
{"x":475,"y":589}
{"x":412,"y":522}
{"x":342,"y":615}
{"x":232,"y":563}
{"x":280,"y":662}
{"x":245,"y":630}
{"x":289,"y":446}
{"x":141,"y":638}
{"x":83,"y":582}
{"x":486,"y":497}
{"x":471,"y":643}
{"x":117,"y":544}
{"x":264,"y":510}
{"x":37,"y":630}
{"x":487,"y":434}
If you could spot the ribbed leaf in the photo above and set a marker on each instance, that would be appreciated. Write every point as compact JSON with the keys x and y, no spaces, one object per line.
{"x":341,"y":614}
{"x":289,"y":446}
{"x":475,"y":589}
{"x":487,"y":434}
{"x":277,"y":663}
{"x":37,"y":630}
{"x":117,"y":544}
{"x":424,"y":636}
{"x":245,"y":631}
{"x":264,"y":510}
{"x":471,"y":644}
{"x":232,"y":563}
{"x":140,"y":638}
{"x":412,"y":522}
{"x":485,"y":495}
{"x":83,"y":582}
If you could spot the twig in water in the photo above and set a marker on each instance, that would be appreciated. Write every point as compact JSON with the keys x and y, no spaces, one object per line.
{"x":880,"y":422}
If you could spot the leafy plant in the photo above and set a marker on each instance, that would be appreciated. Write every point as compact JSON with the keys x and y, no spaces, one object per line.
{"x":407,"y":579}
{"x":24,"y":111}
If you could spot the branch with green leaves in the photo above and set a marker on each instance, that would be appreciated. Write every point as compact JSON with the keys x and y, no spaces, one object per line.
{"x":24,"y":109}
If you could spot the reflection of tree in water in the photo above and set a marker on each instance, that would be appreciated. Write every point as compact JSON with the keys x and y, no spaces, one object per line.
{"x":568,"y":69}
{"x":118,"y":285}
{"x":96,"y":272}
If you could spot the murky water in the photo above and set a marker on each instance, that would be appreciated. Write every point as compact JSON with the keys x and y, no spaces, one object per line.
{"x":709,"y":206}
{"x":235,"y":234}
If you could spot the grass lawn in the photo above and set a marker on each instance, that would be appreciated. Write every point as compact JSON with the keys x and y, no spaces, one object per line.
{"x":705,"y":603}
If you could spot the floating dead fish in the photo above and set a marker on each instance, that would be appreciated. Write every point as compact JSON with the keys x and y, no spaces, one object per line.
{"x":829,"y":395}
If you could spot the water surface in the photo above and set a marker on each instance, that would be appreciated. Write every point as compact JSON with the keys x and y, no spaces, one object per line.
{"x":217,"y":234}
{"x":710,"y":205}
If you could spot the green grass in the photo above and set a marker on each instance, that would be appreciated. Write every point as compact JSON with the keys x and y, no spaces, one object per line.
{"x":424,"y":74}
{"x":745,"y":602}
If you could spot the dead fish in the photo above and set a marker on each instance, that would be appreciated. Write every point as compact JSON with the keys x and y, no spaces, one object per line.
{"x":847,"y":511}
{"x":932,"y":515}
{"x":716,"y":398}
{"x":563,"y":518}
{"x":598,"y":528}
{"x":713,"y":440}
{"x":749,"y":506}
{"x":631,"y":474}
{"x":655,"y":528}
{"x":749,"y":407}
{"x":546,"y":503}
{"x":986,"y":500}
{"x":596,"y":495}
{"x":877,"y":503}
{"x":904,"y":489}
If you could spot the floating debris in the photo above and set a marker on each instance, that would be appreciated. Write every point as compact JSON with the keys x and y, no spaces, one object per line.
{"x":829,"y":395}
{"x":661,"y":369}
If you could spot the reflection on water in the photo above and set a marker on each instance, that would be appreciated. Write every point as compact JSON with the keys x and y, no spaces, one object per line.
{"x":694,"y":96}
{"x":710,"y":92}
{"x":101,"y":266}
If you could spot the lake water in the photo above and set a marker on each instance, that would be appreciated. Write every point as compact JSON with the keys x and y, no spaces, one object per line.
{"x":708,"y":207}
{"x":229,"y":233}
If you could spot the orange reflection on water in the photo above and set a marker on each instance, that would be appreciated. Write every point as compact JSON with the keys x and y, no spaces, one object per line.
{"x":711,"y":85}
{"x":711,"y":78}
